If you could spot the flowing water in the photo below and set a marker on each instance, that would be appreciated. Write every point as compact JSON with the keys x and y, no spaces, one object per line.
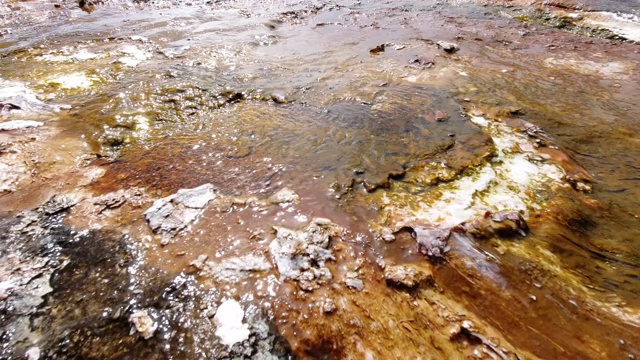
{"x":352,"y":106}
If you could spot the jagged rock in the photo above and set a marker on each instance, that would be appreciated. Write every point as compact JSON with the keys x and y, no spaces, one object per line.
{"x":113,"y":200}
{"x":407,"y":276}
{"x":499,"y":224}
{"x":59,"y":203}
{"x":143,"y":324}
{"x":301,"y":255}
{"x":355,"y":284}
{"x":171,"y":214}
{"x":431,"y":241}
{"x":33,"y":353}
{"x":328,"y":306}
{"x":236,"y":268}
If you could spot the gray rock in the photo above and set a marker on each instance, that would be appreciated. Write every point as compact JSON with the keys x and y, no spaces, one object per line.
{"x":19,"y":124}
{"x":169,"y":215}
{"x":387,"y":235}
{"x":279,"y":97}
{"x":301,"y":255}
{"x":199,"y":262}
{"x":284,"y":196}
{"x":237,"y":268}
{"x":447,"y":46}
{"x":431,"y":241}
{"x":33,"y":353}
{"x":23,"y":98}
{"x":355,"y":284}
{"x":59,"y":203}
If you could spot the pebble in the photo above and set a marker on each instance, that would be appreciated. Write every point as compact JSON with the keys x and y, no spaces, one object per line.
{"x":355,"y":284}
{"x":447,"y":46}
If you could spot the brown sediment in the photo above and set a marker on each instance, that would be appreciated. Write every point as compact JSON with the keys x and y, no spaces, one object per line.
{"x":371,"y":143}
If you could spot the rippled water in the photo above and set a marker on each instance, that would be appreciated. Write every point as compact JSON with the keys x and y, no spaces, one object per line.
{"x":254,"y":97}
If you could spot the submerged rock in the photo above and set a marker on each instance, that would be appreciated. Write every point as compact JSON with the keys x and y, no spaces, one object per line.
{"x":118,"y":198}
{"x":301,"y":255}
{"x":328,"y":306}
{"x":171,"y":214}
{"x":499,"y":224}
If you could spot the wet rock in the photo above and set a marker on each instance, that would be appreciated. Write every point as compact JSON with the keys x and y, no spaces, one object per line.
{"x":199,"y":262}
{"x":116,"y":199}
{"x":501,"y":224}
{"x":33,"y":353}
{"x":378,"y":49}
{"x":447,"y":46}
{"x":467,"y":333}
{"x":22,"y":100}
{"x":8,"y":107}
{"x":436,"y":116}
{"x":175,"y":52}
{"x":19,"y":124}
{"x":387,"y":235}
{"x":280,"y":97}
{"x":579,"y":182}
{"x":301,"y":255}
{"x":229,"y":320}
{"x":328,"y":306}
{"x":284,"y":196}
{"x":423,"y":63}
{"x":431,"y":241}
{"x":355,"y":284}
{"x":382,"y":179}
{"x":407,"y":276}
{"x":59,"y":203}
{"x":143,"y":324}
{"x":236,"y":268}
{"x":171,"y":214}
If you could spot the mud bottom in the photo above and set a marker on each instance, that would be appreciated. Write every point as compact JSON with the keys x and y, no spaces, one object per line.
{"x":345,"y":180}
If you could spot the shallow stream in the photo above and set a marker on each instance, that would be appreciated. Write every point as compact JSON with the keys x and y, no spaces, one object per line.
{"x":351,"y":112}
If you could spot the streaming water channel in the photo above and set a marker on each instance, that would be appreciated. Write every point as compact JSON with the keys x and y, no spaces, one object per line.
{"x":319,"y":179}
